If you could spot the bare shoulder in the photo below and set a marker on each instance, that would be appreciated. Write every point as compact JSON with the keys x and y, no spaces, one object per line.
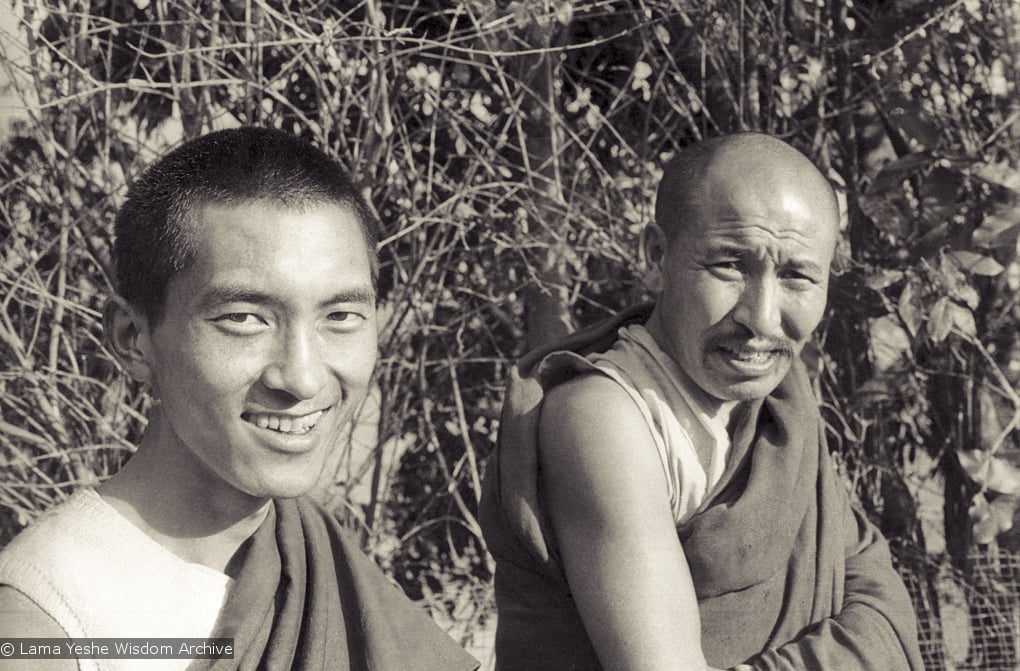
{"x":589,"y":406}
{"x":20,"y":617}
{"x":597,"y":454}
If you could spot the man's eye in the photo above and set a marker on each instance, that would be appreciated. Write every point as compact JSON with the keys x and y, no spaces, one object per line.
{"x":798,"y":277}
{"x":726,"y":267}
{"x":238,"y":317}
{"x":346,"y":319}
{"x":240,"y":322}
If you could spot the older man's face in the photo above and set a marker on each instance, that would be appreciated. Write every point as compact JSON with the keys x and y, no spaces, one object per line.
{"x":745,"y":280}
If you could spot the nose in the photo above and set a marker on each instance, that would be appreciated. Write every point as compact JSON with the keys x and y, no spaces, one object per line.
{"x":298,"y":367}
{"x":759,"y":308}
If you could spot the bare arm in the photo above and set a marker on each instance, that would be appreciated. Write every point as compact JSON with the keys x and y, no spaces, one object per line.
{"x":605,"y":491}
{"x":20,"y":617}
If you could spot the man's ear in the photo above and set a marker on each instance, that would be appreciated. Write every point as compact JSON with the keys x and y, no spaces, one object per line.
{"x":654,"y":245}
{"x":127,"y":334}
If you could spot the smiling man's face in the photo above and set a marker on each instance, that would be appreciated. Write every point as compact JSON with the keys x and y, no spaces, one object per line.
{"x":266,"y":344}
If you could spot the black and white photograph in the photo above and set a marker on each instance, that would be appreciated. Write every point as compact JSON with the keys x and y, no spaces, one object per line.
{"x":510,"y":335}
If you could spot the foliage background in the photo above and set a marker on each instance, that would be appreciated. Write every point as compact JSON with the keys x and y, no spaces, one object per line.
{"x":511,"y":150}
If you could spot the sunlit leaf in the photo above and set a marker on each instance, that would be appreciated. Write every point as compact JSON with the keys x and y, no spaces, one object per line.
{"x":888,"y":342}
{"x":1001,"y":174}
{"x":883,"y":278}
{"x":564,"y":13}
{"x":940,"y":320}
{"x":962,"y":319}
{"x":968,"y":295}
{"x":909,"y":310}
{"x":976,"y":264}
{"x":1000,"y":228}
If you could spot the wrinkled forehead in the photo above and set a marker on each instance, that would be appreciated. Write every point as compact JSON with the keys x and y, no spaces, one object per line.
{"x":780,"y":199}
{"x":742,"y":170}
{"x":760,"y":215}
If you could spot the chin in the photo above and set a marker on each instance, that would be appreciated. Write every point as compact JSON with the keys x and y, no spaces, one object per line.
{"x":277,"y":487}
{"x":753,"y":391}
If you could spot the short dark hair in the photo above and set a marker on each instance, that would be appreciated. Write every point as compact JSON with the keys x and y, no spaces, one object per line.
{"x":155,"y":226}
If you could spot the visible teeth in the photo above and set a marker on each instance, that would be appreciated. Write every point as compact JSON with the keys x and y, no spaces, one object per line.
{"x":285,"y":424}
{"x":753,"y":356}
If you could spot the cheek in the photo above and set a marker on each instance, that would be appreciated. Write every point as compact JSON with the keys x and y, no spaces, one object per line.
{"x":354,"y":357}
{"x":206,"y":371}
{"x":707,"y":302}
{"x":805,"y":314}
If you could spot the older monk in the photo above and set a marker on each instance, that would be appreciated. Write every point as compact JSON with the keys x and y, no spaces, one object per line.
{"x":662,"y":497}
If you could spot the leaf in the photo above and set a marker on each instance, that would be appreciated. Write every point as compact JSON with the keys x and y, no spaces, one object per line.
{"x":882,"y":279}
{"x":887,"y":214}
{"x":642,"y":71}
{"x":1001,"y":174}
{"x":522,"y":14}
{"x":894,"y":172}
{"x":565,"y":13}
{"x":940,"y":321}
{"x":950,"y":274}
{"x":1000,"y":228}
{"x":874,"y":390}
{"x":888,"y":342}
{"x":985,"y":522}
{"x":909,"y":310}
{"x":963,"y":319}
{"x":976,"y":264}
{"x":967,"y":295}
{"x":479,"y":109}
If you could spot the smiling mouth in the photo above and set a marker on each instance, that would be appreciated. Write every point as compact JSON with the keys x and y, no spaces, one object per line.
{"x":754,"y":357}
{"x":289,"y":424}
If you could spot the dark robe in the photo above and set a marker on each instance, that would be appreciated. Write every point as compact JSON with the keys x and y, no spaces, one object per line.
{"x":307,"y":599}
{"x":788,"y":574}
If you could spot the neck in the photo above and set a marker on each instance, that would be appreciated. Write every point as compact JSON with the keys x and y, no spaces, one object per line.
{"x":720,"y":412}
{"x":167,"y":492}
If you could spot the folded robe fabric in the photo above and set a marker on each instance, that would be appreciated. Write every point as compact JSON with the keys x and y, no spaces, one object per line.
{"x":788,"y":575}
{"x":307,"y":599}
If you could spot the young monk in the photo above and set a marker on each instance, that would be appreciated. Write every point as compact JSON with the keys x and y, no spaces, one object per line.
{"x":246,"y":298}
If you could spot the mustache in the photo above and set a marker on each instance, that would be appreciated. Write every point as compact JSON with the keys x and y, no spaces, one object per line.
{"x":743,"y":343}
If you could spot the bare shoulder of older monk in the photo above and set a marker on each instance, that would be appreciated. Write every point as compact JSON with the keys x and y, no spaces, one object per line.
{"x":647,"y":444}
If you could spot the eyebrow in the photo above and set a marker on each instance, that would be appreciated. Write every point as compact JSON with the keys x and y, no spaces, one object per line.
{"x":727,"y":249}
{"x":239,"y":294}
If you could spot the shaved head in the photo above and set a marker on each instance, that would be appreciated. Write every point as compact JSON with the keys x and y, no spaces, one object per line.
{"x":694,"y":178}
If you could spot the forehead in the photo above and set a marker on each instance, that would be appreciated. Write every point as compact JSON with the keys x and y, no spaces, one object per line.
{"x":277,"y":249}
{"x":762,"y":212}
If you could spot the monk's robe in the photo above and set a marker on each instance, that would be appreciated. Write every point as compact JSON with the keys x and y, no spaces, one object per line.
{"x":788,"y":574}
{"x":308,"y":599}
{"x":305,"y":598}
